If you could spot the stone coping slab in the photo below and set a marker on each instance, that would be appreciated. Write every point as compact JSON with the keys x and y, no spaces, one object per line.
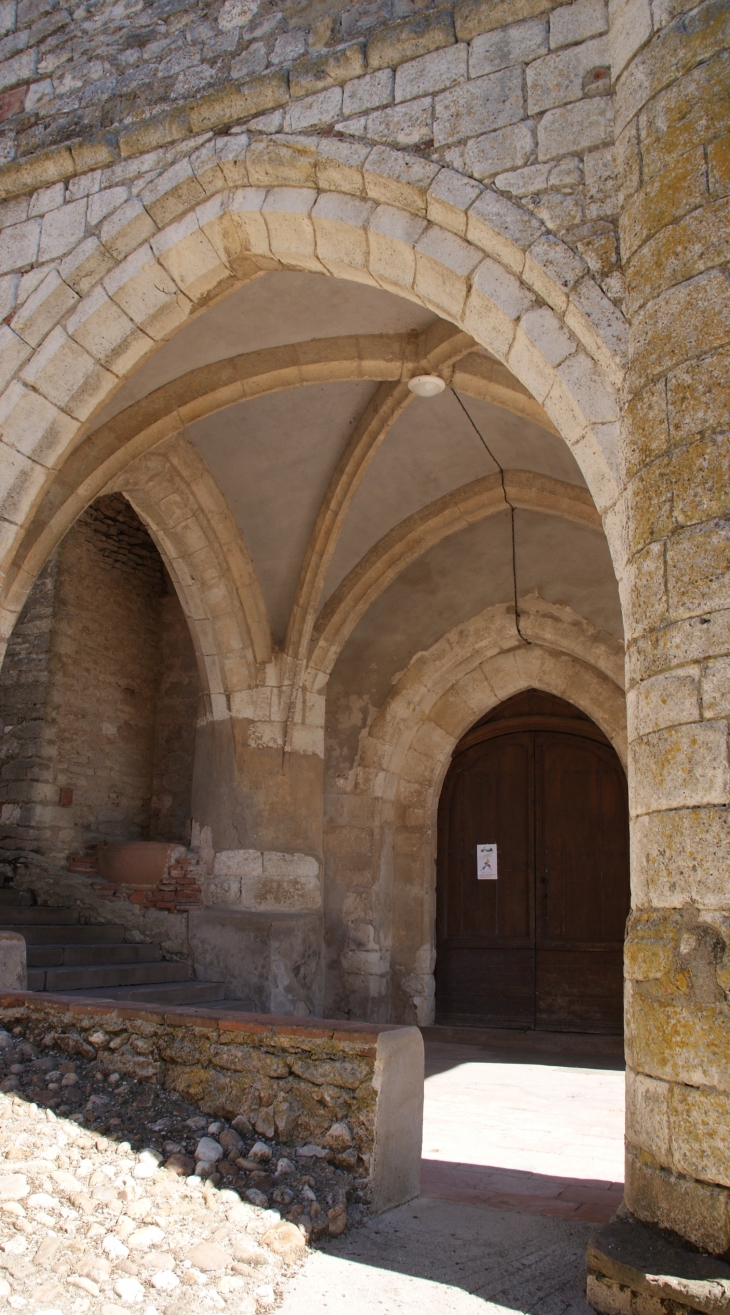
{"x":292,"y":1078}
{"x":627,"y":1258}
{"x":231,"y":1019}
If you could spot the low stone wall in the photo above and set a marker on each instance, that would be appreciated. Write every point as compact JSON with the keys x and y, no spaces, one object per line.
{"x":292,"y":1081}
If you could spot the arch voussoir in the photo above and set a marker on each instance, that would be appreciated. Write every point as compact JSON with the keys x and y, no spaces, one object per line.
{"x":156,"y":261}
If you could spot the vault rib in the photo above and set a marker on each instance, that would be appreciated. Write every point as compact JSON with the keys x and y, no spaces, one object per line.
{"x":176,"y":496}
{"x":435,"y":350}
{"x":419,"y":532}
{"x":102,"y":452}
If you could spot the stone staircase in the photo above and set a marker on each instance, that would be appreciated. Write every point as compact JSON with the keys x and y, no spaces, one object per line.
{"x":73,"y":958}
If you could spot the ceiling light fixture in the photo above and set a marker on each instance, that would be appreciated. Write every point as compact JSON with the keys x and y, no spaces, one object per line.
{"x":426,"y":385}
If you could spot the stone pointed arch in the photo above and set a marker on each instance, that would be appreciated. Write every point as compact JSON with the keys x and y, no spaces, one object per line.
{"x":401,"y":764}
{"x":176,"y":497}
{"x":419,"y":532}
{"x":487,"y":267}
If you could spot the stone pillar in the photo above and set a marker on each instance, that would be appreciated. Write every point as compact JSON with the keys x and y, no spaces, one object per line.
{"x":671,"y":74}
{"x":257,"y":810}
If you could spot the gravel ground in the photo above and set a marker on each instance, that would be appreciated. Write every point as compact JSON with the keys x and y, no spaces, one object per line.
{"x":102,"y":1207}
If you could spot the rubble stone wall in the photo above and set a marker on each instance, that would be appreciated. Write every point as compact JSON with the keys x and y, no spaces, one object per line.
{"x":99,"y":693}
{"x":289,"y":1080}
{"x":24,"y":685}
{"x":176,"y":715}
{"x":105,"y":645}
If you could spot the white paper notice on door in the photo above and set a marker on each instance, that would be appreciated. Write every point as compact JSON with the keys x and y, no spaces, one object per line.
{"x":486,"y":862}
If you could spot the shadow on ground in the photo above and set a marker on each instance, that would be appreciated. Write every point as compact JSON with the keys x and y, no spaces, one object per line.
{"x":443,"y":1258}
{"x":591,"y":1201}
{"x":443,"y":1056}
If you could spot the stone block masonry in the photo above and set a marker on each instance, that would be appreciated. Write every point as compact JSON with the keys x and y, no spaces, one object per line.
{"x":291,"y":1080}
{"x":670,"y":118}
{"x":634,"y":1271}
{"x":490,"y":90}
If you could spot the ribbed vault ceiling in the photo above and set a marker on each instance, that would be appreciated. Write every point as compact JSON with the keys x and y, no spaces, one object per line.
{"x":276,"y":448}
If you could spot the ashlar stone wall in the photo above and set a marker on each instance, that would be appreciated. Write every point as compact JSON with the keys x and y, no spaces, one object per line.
{"x":673,"y":145}
{"x":515,"y":92}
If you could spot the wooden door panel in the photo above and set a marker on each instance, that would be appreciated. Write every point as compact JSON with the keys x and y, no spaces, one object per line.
{"x":581,"y":841}
{"x":485,"y":987}
{"x":579,"y":990}
{"x":489,"y":801}
{"x":542,"y":946}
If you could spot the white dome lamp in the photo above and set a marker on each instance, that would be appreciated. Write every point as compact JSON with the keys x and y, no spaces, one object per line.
{"x":426,"y":385}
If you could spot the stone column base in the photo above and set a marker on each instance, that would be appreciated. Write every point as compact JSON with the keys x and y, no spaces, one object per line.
{"x":634,"y":1271}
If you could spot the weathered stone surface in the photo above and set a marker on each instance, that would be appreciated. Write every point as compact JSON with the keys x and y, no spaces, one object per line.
{"x":13,"y":971}
{"x":558,"y":78}
{"x":698,"y":396}
{"x":677,"y":1041}
{"x":507,"y":45}
{"x":486,"y":103}
{"x":657,"y":347}
{"x":674,"y":192}
{"x":640,"y":1259}
{"x":274,"y":1082}
{"x":577,"y":22}
{"x":407,"y":40}
{"x":692,"y":109}
{"x":692,"y":245}
{"x":694,"y":1210}
{"x":349,"y":1075}
{"x":574,"y":128}
{"x":475,"y":16}
{"x":700,"y":1133}
{"x":679,"y":856}
{"x":246,"y":1060}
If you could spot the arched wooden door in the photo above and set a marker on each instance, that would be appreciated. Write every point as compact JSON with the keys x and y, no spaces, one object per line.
{"x":542,"y":945}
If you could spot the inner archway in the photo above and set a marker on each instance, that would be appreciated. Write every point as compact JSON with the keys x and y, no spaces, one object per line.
{"x":530,"y":935}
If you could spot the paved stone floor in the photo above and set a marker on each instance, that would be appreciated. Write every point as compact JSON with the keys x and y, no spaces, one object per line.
{"x":543,"y":1137}
{"x":523,"y":1157}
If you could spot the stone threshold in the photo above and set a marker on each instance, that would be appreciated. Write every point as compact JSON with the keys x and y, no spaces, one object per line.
{"x":633,"y":1270}
{"x":504,"y":1038}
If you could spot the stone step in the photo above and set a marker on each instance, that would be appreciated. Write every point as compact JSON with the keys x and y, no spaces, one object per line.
{"x":180,"y":993}
{"x":15,"y":898}
{"x":37,"y":915}
{"x":110,"y":975}
{"x":56,"y":956}
{"x":81,"y":934}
